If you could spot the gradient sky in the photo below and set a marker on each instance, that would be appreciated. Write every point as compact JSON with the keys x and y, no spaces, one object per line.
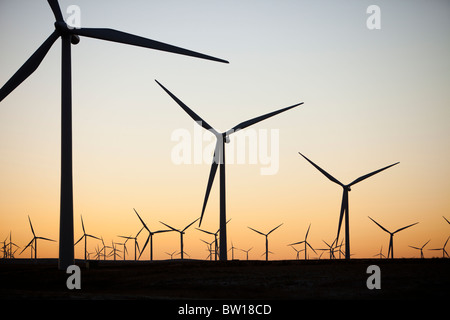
{"x":371,"y":98}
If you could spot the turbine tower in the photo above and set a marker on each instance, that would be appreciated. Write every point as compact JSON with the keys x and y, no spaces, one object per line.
{"x":344,"y":205}
{"x":70,"y":36}
{"x":267,"y":240}
{"x":391,"y":238}
{"x":306,"y":243}
{"x":181,"y":234}
{"x":219,"y":159}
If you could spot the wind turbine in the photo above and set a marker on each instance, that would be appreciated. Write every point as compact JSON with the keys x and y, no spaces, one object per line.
{"x":70,"y":36}
{"x":391,"y":239}
{"x":344,"y":204}
{"x":306,"y":243}
{"x":298,"y":252}
{"x":136,"y":245}
{"x":33,"y":241}
{"x":216,"y":244}
{"x":267,"y":240}
{"x":246,"y":251}
{"x":181,"y":234}
{"x":85,"y":236}
{"x":104,"y":249}
{"x":114,"y":251}
{"x":150,"y":236}
{"x":380,"y":255}
{"x":209,"y":246}
{"x":421,"y":249}
{"x":171,"y":254}
{"x":219,"y":159}
{"x":232,"y":250}
{"x":444,"y":252}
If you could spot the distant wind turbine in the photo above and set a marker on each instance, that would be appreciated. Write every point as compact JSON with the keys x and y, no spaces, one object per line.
{"x":232,"y":250}
{"x":444,"y":252}
{"x":298,"y":252}
{"x":421,"y":249}
{"x":136,"y":244}
{"x":181,"y":234}
{"x":246,"y":251}
{"x":267,"y":240}
{"x":33,"y":241}
{"x":171,"y":254}
{"x":380,"y":254}
{"x":305,"y":242}
{"x":70,"y":35}
{"x":216,"y":243}
{"x":391,"y":239}
{"x":344,"y":205}
{"x":85,"y":236}
{"x":150,"y":236}
{"x":219,"y":158}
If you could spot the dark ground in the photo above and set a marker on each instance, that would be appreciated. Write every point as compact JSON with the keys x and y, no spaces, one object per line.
{"x":401,"y":279}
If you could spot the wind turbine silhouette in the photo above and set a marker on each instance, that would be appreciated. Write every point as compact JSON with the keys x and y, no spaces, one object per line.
{"x":344,"y":205}
{"x":380,"y":255}
{"x":267,"y":240}
{"x":391,"y":238}
{"x":216,"y":244}
{"x":306,"y":243}
{"x":298,"y":252}
{"x":246,"y":251}
{"x":444,"y":252}
{"x":33,"y":241}
{"x":232,"y":250}
{"x":421,"y":249}
{"x":219,"y":159}
{"x":150,"y":237}
{"x":70,"y":36}
{"x":136,"y":245}
{"x":181,"y":234}
{"x":85,"y":236}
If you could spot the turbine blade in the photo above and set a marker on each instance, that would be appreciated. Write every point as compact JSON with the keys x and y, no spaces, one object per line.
{"x":191,"y":113}
{"x":28,"y":67}
{"x":31,"y":226}
{"x":79,"y":240}
{"x":307,"y":232}
{"x":169,"y":227}
{"x":311,"y":247}
{"x":329,"y":176}
{"x":212,"y":175}
{"x":343,"y":208}
{"x":190,"y":224}
{"x":371,"y":174}
{"x":250,"y":122}
{"x":405,"y":227}
{"x":42,"y":238}
{"x":379,"y":226}
{"x":256,"y":231}
{"x":291,"y":244}
{"x":27,"y":246}
{"x":274,"y":229}
{"x":205,"y":231}
{"x":127,"y":38}
{"x":142,"y":221}
{"x":446,"y":219}
{"x":56,"y":9}
{"x":82,"y":224}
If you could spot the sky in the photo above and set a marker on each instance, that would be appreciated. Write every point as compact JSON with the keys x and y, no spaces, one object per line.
{"x":372,"y":97}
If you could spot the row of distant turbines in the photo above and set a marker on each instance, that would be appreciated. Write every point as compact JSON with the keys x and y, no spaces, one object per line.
{"x":71,"y":36}
{"x":334,"y":249}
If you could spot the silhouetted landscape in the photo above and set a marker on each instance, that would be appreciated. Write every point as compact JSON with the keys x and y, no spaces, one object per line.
{"x":195,"y":279}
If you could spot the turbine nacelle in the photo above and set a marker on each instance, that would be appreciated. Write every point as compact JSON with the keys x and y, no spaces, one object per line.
{"x":63,"y":28}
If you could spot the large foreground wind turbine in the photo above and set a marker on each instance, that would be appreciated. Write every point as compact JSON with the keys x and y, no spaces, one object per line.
{"x":70,"y":36}
{"x":85,"y":236}
{"x":219,"y":158}
{"x":391,"y":238}
{"x":33,"y":241}
{"x":181,"y":234}
{"x":267,"y":240}
{"x":306,"y":243}
{"x":344,"y":205}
